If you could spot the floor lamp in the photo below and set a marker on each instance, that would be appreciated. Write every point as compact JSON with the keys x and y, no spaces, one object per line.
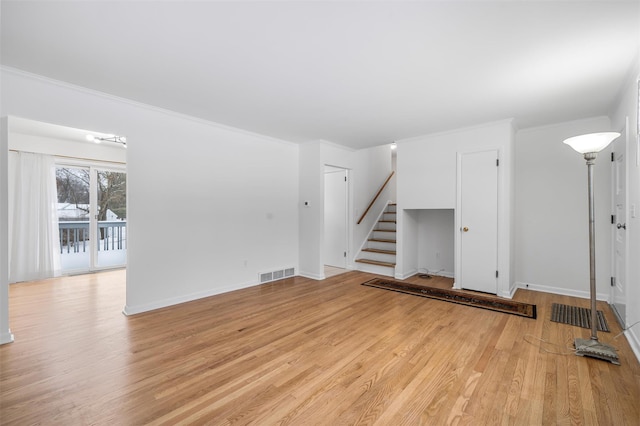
{"x":589,"y":145}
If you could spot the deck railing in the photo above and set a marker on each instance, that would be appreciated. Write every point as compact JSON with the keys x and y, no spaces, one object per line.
{"x":74,"y":236}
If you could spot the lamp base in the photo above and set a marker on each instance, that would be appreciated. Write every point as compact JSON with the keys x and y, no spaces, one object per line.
{"x":596,"y":349}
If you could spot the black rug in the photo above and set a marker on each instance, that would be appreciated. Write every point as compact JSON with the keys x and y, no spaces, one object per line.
{"x":580,"y":317}
{"x":463,"y":298}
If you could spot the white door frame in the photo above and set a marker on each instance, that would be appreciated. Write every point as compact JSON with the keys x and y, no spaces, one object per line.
{"x":348,"y":227}
{"x":624,"y":138}
{"x":506,"y":287}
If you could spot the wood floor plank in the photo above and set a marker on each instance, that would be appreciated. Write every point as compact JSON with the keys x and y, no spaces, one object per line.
{"x":297,"y":352}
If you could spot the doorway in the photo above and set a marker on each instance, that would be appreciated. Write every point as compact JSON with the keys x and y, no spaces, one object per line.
{"x":92,"y":217}
{"x":60,"y":142}
{"x":335,"y":248}
{"x":90,"y":182}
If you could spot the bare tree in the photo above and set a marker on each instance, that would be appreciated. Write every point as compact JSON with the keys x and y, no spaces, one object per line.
{"x":73,"y":187}
{"x":112,"y":194}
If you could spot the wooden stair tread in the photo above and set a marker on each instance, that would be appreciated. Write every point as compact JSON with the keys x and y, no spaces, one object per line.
{"x":376,"y":262}
{"x":381,"y":240}
{"x":391,"y":233}
{"x":373,"y":250}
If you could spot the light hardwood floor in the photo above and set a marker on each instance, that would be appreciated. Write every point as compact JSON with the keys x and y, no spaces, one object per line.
{"x":301,"y":352}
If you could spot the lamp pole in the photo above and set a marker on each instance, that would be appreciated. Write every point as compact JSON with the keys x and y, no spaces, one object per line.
{"x":591,"y":159}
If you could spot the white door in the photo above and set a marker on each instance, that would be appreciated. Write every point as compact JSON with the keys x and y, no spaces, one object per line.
{"x":619,"y":223}
{"x":479,"y":221}
{"x":335,"y":218}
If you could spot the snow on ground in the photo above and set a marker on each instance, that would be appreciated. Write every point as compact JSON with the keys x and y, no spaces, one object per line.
{"x":77,"y":262}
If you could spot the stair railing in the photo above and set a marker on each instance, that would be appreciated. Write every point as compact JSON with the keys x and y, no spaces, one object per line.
{"x":376,"y":197}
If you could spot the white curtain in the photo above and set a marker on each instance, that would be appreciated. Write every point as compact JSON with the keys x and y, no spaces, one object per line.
{"x":34,"y":247}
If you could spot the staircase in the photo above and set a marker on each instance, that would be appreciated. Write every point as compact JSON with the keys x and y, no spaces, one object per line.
{"x":379,"y":254}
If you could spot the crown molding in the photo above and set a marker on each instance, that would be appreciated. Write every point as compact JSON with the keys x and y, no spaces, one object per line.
{"x":141,"y":105}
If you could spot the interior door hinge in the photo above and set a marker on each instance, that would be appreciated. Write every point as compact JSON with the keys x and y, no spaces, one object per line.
{"x":613,"y":218}
{"x":497,"y":162}
{"x":496,"y":274}
{"x":613,"y":156}
{"x":613,"y":281}
{"x":345,"y":254}
{"x":345,"y":178}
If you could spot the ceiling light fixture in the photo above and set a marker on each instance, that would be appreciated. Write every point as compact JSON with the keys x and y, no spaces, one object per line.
{"x":108,"y":138}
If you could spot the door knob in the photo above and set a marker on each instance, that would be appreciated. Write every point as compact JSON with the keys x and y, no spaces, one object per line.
{"x":621,"y":225}
{"x":465,"y":229}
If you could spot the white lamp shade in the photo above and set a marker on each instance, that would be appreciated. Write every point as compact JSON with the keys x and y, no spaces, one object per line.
{"x":592,"y":142}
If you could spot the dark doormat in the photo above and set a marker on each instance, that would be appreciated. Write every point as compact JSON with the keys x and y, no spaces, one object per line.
{"x":477,"y":301}
{"x":574,"y":315}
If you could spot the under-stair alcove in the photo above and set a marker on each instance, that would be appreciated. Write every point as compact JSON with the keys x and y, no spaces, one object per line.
{"x":428,"y":241}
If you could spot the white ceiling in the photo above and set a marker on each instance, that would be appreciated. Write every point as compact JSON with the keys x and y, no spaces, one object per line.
{"x":354,"y":73}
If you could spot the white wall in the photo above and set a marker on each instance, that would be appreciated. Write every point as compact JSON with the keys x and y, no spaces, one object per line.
{"x":427,"y":179}
{"x":311,"y":210}
{"x":628,"y":107}
{"x":407,"y":262}
{"x":239,"y":191}
{"x":552,"y":239}
{"x":427,"y":164}
{"x":435,"y":245}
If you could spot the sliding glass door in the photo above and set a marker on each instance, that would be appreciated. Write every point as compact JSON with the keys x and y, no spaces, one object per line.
{"x":111,"y":231}
{"x":73,"y":218}
{"x":92,"y":218}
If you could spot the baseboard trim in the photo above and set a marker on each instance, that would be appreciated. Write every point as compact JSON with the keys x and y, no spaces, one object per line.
{"x":6,"y":338}
{"x":317,"y":277}
{"x":510,"y":292}
{"x":400,"y":276}
{"x":634,"y":341}
{"x":560,"y":291}
{"x":129,"y":310}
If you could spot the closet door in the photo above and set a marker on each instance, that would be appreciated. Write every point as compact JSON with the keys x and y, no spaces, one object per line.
{"x":478,"y":204}
{"x":335,"y":218}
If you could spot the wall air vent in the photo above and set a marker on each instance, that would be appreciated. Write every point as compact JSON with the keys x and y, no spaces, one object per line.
{"x":265,"y":277}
